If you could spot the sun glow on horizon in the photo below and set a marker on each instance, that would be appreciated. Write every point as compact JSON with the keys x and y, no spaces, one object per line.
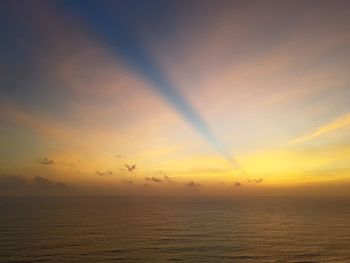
{"x":160,"y":102}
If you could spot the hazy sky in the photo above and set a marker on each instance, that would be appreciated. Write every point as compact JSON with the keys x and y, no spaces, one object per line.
{"x":203,"y":97}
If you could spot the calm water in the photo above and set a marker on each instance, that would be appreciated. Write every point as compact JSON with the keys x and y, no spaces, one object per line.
{"x":174,"y":230}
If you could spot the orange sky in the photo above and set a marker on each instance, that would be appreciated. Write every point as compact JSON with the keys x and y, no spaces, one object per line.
{"x":271,"y":82}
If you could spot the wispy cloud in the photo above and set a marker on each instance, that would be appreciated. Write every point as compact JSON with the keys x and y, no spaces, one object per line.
{"x":37,"y":123}
{"x":336,"y":124}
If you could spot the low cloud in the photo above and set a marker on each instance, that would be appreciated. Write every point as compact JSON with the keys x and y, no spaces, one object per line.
{"x":45,"y":161}
{"x":192,"y":184}
{"x":10,"y":182}
{"x":106,"y":173}
{"x":167,"y":179}
{"x":153,"y":179}
{"x":17,"y":185}
{"x":127,"y":181}
{"x":130,"y":167}
{"x":41,"y":181}
{"x":238,"y":184}
{"x":257,"y":181}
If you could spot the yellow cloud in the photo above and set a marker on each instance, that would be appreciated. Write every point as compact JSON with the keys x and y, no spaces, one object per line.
{"x":336,"y":124}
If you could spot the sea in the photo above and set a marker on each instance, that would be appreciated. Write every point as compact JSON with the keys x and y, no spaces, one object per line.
{"x":174,"y":229}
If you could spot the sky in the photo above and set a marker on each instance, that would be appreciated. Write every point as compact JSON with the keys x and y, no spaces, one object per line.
{"x":151,"y":97}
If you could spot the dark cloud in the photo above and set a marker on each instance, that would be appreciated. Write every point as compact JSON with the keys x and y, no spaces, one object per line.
{"x":127,"y":181}
{"x":153,"y":179}
{"x":145,"y":186}
{"x":106,"y":173}
{"x":130,"y":167}
{"x":119,"y":156}
{"x":45,"y":161}
{"x":238,"y":184}
{"x":192,"y":184}
{"x":16,"y":185}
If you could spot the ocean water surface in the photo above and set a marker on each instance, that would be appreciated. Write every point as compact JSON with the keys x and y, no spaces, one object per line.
{"x":169,"y":229}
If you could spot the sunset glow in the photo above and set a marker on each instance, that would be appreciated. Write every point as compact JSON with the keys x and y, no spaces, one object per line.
{"x":202,"y":99}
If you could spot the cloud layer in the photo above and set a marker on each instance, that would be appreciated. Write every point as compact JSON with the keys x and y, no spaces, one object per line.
{"x":16,"y":185}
